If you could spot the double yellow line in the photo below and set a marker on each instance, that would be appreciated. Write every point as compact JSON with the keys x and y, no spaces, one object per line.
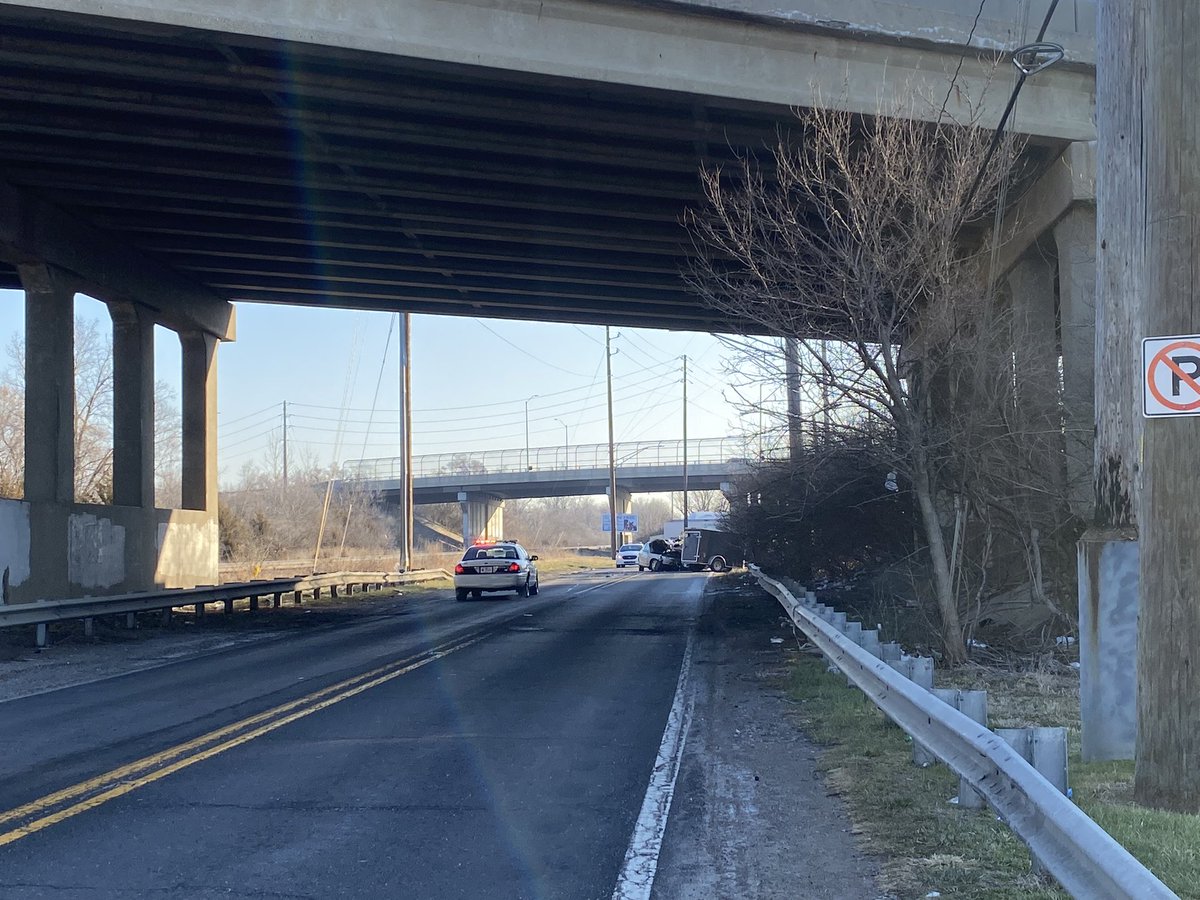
{"x":60,"y":805}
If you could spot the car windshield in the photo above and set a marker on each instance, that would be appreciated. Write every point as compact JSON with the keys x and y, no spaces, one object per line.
{"x":629,"y":547}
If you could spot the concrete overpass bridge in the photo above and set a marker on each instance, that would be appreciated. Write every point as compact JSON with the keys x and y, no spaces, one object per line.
{"x":481,"y":482}
{"x":496,"y":158}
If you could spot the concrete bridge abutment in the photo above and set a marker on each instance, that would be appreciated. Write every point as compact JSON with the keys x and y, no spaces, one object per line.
{"x":52,"y":545}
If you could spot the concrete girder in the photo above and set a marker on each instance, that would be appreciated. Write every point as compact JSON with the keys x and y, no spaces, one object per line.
{"x":750,"y":53}
{"x":33,"y":233}
{"x":1068,"y":181}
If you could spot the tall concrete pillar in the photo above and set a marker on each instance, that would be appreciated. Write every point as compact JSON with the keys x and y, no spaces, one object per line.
{"x":199,"y":421}
{"x":1075,"y":235}
{"x":623,"y":506}
{"x":1031,"y":286}
{"x":482,"y":517}
{"x":133,"y":405}
{"x":49,"y":385}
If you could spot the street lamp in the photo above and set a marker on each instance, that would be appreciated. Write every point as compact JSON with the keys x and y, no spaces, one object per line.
{"x":566,"y":443}
{"x":527,"y":465}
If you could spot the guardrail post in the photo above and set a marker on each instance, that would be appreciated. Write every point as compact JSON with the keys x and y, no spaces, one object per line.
{"x":130,"y":621}
{"x":333,"y":592}
{"x":1050,"y":755}
{"x":89,"y":627}
{"x":870,"y":642}
{"x":973,"y":705}
{"x":253,"y":602}
{"x":1046,"y":750}
{"x":277,"y":600}
{"x":165,"y":617}
{"x":839,"y":621}
{"x":199,"y":610}
{"x":890,"y":652}
{"x":919,"y":670}
{"x":297,"y":597}
{"x":43,"y":634}
{"x":854,"y":630}
{"x":228,"y":607}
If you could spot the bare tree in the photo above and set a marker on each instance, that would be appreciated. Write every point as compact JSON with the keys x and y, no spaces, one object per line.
{"x":12,"y":442}
{"x":852,"y":241}
{"x":93,"y":426}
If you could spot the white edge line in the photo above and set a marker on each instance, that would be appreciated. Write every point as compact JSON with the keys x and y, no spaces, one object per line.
{"x":636,"y":878}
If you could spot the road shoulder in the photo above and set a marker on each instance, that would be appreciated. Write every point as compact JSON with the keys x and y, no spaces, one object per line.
{"x":752,"y":816}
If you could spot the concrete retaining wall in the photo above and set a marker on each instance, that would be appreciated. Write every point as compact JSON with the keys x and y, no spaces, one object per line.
{"x":91,"y":550}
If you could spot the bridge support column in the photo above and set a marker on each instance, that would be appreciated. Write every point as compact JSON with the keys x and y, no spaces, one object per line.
{"x":49,"y":385}
{"x":623,"y":506}
{"x":133,"y":439}
{"x":133,"y":406}
{"x":49,"y":425}
{"x":1075,"y":235}
{"x":199,"y":421}
{"x":482,"y":517}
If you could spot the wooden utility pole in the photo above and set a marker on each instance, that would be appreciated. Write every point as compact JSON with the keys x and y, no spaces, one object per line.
{"x":1168,"y":744}
{"x":612,"y":453}
{"x":285,"y":448}
{"x":406,"y":496}
{"x":685,"y":445}
{"x":1108,"y":551}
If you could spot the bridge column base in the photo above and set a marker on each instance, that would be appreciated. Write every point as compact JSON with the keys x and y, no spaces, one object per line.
{"x":482,"y":517}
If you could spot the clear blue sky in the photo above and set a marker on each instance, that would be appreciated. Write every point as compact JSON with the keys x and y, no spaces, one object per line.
{"x":471,"y":378}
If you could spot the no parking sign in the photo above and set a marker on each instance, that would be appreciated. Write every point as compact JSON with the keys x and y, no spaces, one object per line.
{"x":1171,"y":376}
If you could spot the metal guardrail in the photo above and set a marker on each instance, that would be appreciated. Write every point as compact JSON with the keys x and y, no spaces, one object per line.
{"x":1082,"y":856}
{"x":45,"y":612}
{"x":560,"y":459}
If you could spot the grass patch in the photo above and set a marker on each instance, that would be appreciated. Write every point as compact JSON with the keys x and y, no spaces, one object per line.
{"x":1168,"y":844}
{"x":901,"y":812}
{"x":929,"y":845}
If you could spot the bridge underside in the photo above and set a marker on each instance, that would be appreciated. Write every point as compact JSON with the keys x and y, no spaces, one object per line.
{"x":287,"y":173}
{"x":282,"y":172}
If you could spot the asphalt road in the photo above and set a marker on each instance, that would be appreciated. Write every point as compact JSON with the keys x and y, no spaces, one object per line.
{"x":509,"y":748}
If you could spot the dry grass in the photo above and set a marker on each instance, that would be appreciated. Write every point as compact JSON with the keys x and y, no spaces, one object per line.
{"x":902,"y":811}
{"x":551,"y":562}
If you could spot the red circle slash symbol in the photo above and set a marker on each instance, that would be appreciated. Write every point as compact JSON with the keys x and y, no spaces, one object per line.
{"x":1180,"y":378}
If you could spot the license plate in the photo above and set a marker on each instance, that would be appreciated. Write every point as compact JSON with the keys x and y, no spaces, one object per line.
{"x":486,"y":570}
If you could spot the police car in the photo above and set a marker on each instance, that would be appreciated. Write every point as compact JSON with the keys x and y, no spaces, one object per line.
{"x":495,"y":566}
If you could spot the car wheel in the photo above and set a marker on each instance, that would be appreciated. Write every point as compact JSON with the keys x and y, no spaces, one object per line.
{"x":717,"y":564}
{"x":533,"y":588}
{"x":523,"y":590}
{"x":655,"y":565}
{"x":477,"y":595}
{"x":460,"y":595}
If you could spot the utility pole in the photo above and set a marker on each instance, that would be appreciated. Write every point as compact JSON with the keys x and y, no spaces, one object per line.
{"x":685,"y":445}
{"x":406,"y":505}
{"x":1108,"y":558}
{"x":285,"y":439}
{"x":791,"y":359}
{"x":1168,"y":742}
{"x":612,"y":453}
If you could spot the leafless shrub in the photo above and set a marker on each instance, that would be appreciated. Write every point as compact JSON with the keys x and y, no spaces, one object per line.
{"x":860,"y":239}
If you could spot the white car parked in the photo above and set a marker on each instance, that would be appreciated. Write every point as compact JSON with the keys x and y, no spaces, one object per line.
{"x":628,"y":555}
